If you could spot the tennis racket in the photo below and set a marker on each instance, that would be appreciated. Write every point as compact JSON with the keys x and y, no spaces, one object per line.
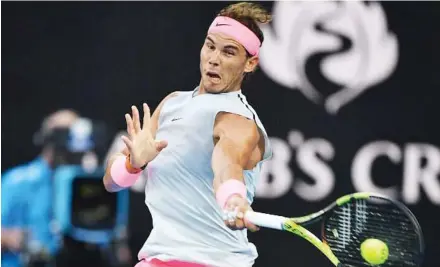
{"x":350,"y":220}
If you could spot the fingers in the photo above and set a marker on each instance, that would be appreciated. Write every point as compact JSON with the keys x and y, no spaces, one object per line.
{"x":130,"y":127}
{"x":235,"y":220}
{"x":161,"y":145}
{"x":127,"y":142}
{"x":147,"y":115}
{"x":239,"y":223}
{"x":136,"y":119}
{"x":235,"y":224}
{"x":134,"y":122}
{"x":252,"y":227}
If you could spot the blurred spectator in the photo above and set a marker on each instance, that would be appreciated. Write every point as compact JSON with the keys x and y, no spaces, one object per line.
{"x":26,"y":233}
{"x":30,"y":236}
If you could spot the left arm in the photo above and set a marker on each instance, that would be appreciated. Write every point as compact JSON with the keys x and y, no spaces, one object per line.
{"x":236,"y":138}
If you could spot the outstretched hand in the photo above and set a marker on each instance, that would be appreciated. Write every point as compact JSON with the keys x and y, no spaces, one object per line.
{"x":140,"y":142}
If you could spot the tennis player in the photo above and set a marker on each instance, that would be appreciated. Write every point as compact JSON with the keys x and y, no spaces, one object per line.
{"x":202,"y":151}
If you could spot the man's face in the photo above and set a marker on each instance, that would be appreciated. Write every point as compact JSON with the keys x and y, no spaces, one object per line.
{"x":223,"y":62}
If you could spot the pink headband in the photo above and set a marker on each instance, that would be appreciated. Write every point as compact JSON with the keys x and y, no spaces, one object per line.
{"x":237,"y":31}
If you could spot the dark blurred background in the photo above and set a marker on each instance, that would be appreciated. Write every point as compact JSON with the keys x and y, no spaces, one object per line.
{"x":99,"y":58}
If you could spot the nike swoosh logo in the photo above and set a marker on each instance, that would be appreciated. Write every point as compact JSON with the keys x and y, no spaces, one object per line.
{"x":176,"y":119}
{"x":220,"y":24}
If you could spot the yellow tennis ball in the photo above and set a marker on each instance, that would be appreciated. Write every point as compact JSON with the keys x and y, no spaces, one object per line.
{"x":374,"y":251}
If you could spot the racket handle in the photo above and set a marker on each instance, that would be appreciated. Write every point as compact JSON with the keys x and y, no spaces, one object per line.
{"x":265,"y":220}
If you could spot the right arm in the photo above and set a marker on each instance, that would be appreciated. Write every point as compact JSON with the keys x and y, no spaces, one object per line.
{"x":109,"y":184}
{"x":11,"y":236}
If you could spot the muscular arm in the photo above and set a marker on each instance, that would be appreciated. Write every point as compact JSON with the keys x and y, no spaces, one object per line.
{"x":236,"y":141}
{"x":109,"y":185}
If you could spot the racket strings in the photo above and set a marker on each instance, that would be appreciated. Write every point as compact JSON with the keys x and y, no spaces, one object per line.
{"x":351,"y":224}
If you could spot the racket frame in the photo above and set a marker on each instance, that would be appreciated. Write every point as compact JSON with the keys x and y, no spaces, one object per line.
{"x":295,"y":225}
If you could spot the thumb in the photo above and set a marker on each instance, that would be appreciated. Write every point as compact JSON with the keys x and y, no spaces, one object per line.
{"x":161,"y":145}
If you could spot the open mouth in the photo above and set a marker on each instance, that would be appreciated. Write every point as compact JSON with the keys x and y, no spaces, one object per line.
{"x":214,"y":76}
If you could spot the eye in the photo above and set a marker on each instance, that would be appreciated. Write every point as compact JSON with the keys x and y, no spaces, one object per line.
{"x":230,"y":52}
{"x":210,"y":46}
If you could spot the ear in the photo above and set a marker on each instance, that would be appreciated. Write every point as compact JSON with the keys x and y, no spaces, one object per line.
{"x":251,"y":64}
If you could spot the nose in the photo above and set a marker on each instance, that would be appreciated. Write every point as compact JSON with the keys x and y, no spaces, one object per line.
{"x":214,"y":58}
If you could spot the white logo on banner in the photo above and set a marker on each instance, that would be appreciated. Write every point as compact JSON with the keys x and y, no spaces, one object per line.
{"x":418,"y":162}
{"x":301,"y":30}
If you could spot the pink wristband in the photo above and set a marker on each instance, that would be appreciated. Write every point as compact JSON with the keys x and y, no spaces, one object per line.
{"x":120,"y":174}
{"x":229,"y":188}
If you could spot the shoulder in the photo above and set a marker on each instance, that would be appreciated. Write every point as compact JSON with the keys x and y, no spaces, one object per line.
{"x":25,"y":173}
{"x":157,"y":114}
{"x":236,"y":126}
{"x":166,"y":98}
{"x":171,"y":95}
{"x":14,"y":175}
{"x":233,"y":102}
{"x":162,"y":103}
{"x":235,"y":112}
{"x":175,"y":94}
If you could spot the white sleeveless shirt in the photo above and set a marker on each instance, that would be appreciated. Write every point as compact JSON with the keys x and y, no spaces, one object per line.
{"x":187,"y":221}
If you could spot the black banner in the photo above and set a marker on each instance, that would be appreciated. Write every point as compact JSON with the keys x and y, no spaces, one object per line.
{"x":348,"y":92}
